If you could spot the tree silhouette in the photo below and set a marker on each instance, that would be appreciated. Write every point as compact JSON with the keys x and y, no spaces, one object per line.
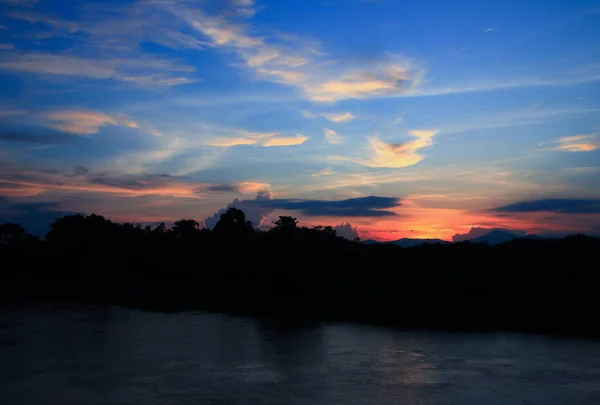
{"x":185,"y":228}
{"x":233,"y":222}
{"x":286,"y":223}
{"x":11,"y":234}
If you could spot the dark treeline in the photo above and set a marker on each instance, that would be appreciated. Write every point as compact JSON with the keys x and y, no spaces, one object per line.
{"x":541,"y":285}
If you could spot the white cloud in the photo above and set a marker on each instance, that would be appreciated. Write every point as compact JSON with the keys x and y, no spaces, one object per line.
{"x":4,"y":46}
{"x":332,"y":137}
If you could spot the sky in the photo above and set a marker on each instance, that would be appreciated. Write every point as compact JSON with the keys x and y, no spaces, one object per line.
{"x":387,"y":119}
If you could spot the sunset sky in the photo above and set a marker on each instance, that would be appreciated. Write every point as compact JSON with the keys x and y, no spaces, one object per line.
{"x":403,"y":118}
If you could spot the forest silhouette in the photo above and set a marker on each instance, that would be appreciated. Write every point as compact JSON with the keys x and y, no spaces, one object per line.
{"x":293,"y":272}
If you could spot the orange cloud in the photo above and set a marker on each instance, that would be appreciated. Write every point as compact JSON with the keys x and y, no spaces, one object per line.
{"x":286,"y":141}
{"x":578,"y":143}
{"x":227,"y":142}
{"x":398,"y":155}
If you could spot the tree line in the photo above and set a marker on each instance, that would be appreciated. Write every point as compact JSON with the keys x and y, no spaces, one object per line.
{"x":311,"y":273}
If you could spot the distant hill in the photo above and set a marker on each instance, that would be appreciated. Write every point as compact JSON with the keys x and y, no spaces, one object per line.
{"x":493,"y":237}
{"x":406,"y":242}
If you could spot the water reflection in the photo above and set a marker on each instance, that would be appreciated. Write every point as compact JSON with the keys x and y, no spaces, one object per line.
{"x":99,"y":355}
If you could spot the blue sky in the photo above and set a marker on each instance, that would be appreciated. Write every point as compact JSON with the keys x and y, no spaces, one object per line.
{"x":157,"y":110}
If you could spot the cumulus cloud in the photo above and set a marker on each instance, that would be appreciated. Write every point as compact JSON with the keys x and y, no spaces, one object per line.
{"x":346,"y":231}
{"x":391,"y":155}
{"x":476,"y":232}
{"x":254,"y":213}
{"x":578,"y":143}
{"x":332,"y":137}
{"x":554,"y":205}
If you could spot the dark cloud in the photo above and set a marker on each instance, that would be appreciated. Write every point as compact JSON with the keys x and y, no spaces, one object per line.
{"x":222,"y":188}
{"x":80,"y":171}
{"x":556,"y":205}
{"x":33,"y":136}
{"x":258,"y":209}
{"x":34,"y":217}
{"x":371,"y":206}
{"x":478,"y":232}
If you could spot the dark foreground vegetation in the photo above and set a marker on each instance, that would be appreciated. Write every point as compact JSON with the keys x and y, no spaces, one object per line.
{"x":548,"y":286}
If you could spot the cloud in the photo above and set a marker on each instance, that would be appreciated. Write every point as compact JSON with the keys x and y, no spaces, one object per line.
{"x":286,"y":141}
{"x":342,"y":117}
{"x":4,"y":46}
{"x":325,"y":172}
{"x":34,"y":135}
{"x":24,"y":3}
{"x":554,"y":205}
{"x":254,"y":213}
{"x":332,"y":137}
{"x":142,"y":71}
{"x":371,"y":206}
{"x":264,"y":204}
{"x":292,"y":61}
{"x":85,"y":122}
{"x":578,"y":143}
{"x":399,"y":155}
{"x":83,"y":181}
{"x":267,"y":139}
{"x":34,"y":217}
{"x":34,"y":17}
{"x":346,"y":231}
{"x":489,"y":29}
{"x":476,"y":232}
{"x":333,"y":117}
{"x":227,"y":142}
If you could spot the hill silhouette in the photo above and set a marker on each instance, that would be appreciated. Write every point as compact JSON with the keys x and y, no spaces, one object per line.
{"x":542,"y":285}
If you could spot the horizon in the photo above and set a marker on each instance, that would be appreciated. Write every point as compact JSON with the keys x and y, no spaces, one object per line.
{"x":403,"y":119}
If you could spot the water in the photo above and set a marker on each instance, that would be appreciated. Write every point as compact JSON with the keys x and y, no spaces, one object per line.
{"x":95,"y":355}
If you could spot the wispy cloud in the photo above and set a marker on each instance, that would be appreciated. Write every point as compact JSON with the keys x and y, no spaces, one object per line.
{"x":291,"y":61}
{"x":4,"y":46}
{"x":85,"y":122}
{"x":391,"y":155}
{"x":24,"y":3}
{"x":333,"y":117}
{"x":325,"y":172}
{"x":342,"y":117}
{"x":577,"y":143}
{"x":286,"y":141}
{"x":332,"y":137}
{"x":227,"y":142}
{"x":143,"y":71}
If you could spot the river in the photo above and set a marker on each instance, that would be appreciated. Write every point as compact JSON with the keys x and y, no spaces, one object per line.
{"x":65,"y":354}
